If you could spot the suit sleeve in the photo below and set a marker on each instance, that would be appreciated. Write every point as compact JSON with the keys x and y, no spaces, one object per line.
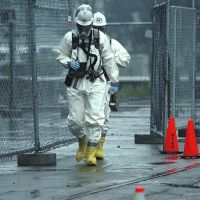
{"x":122,"y":56}
{"x":108,"y":58}
{"x":64,"y":50}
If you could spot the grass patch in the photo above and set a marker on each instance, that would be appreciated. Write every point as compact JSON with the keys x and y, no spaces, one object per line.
{"x":137,"y":90}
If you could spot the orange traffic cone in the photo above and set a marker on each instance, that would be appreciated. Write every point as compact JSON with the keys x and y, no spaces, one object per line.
{"x":139,"y":193}
{"x":171,"y":141}
{"x":191,"y":146}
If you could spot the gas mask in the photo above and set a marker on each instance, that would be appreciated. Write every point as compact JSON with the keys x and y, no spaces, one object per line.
{"x":101,"y":28}
{"x":83,"y":31}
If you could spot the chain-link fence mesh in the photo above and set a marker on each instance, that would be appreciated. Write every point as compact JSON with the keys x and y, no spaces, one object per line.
{"x":16,"y":119}
{"x":159,"y":67}
{"x":51,"y":25}
{"x":33,"y":102}
{"x":173,"y":71}
{"x":182,"y":63}
{"x":30,"y":32}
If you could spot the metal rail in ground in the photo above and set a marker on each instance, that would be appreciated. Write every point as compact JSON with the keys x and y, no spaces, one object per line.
{"x":132,"y":181}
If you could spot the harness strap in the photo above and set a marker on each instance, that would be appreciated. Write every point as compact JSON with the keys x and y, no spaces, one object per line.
{"x":92,"y":74}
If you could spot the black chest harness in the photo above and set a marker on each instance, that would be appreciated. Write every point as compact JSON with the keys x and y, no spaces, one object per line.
{"x":90,"y":73}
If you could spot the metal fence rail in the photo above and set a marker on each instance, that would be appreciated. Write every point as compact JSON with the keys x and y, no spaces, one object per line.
{"x":32,"y":96}
{"x":175,"y":66}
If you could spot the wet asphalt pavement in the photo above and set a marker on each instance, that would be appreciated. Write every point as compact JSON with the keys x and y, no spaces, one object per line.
{"x":126,"y":165}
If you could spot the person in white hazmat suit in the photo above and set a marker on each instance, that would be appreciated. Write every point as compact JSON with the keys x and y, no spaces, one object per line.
{"x":85,"y":81}
{"x":122,"y":58}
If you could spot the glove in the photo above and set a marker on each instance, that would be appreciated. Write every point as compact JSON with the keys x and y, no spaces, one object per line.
{"x":114,"y":87}
{"x":74,"y":65}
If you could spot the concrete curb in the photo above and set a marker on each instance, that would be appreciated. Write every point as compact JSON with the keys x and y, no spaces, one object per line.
{"x":38,"y":159}
{"x":182,"y":132}
{"x":148,"y":139}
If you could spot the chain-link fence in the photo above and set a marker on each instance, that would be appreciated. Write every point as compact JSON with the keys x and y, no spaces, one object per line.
{"x":51,"y":25}
{"x":32,"y":96}
{"x":16,"y":93}
{"x":182,"y":63}
{"x":159,"y":68}
{"x":174,"y":77}
{"x":33,"y":102}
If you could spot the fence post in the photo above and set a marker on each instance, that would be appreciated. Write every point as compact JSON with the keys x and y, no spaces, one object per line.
{"x":37,"y":159}
{"x":193,"y":67}
{"x":193,"y":3}
{"x":12,"y":41}
{"x":175,"y":66}
{"x":166,"y":112}
{"x":32,"y":61}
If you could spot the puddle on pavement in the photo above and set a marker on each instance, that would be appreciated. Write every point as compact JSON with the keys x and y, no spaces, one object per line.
{"x":101,"y":167}
{"x":36,"y":178}
{"x":90,"y":169}
{"x":126,"y":147}
{"x":82,"y":183}
{"x":172,"y":157}
{"x":162,"y":163}
{"x":193,"y":196}
{"x":74,"y":185}
{"x":35,"y":194}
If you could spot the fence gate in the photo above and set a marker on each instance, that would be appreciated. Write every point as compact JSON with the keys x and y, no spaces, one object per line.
{"x":33,"y":101}
{"x":173,"y":67}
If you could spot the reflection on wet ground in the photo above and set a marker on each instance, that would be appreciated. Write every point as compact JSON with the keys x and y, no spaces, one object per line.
{"x":125,"y":165}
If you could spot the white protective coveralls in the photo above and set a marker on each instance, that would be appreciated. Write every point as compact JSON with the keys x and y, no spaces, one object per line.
{"x":122,"y":59}
{"x":86,"y":98}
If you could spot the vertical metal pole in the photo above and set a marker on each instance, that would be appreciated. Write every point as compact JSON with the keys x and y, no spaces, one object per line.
{"x":33,"y":65}
{"x":167,"y":75}
{"x":194,"y":65}
{"x":70,"y":14}
{"x":193,"y":68}
{"x":152,"y":124}
{"x":12,"y":59}
{"x":12,"y":63}
{"x":70,"y":7}
{"x":12,"y":68}
{"x":174,"y":69}
{"x":193,"y":3}
{"x":154,"y":2}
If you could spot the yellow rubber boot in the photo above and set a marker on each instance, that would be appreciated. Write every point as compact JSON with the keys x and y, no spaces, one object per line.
{"x":90,"y":156}
{"x":80,"y":154}
{"x":100,"y":153}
